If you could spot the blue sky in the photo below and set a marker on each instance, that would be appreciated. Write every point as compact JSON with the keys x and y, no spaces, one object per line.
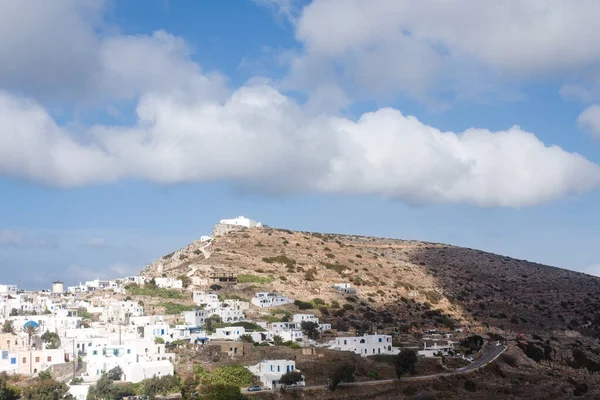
{"x":130,"y":128}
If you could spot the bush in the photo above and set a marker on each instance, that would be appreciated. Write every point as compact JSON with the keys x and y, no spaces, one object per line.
{"x":232,"y":374}
{"x":470,"y":386}
{"x":339,"y":268}
{"x":318,"y":302}
{"x":153,"y":291}
{"x":215,"y":287}
{"x":303,"y":305}
{"x":246,"y":278}
{"x":406,"y":362}
{"x":281,"y":259}
{"x":221,"y":392}
{"x":176,"y":308}
{"x":374,"y":374}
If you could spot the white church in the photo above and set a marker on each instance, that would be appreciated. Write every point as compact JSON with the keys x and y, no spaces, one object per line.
{"x":241,"y":221}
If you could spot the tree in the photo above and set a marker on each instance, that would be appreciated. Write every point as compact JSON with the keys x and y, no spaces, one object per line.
{"x":344,"y":373}
{"x":51,"y":339}
{"x":221,"y":392}
{"x":310,"y":329}
{"x":8,"y":326}
{"x":164,"y":385}
{"x":208,"y":322}
{"x":14,"y":312}
{"x":246,"y":338}
{"x":189,"y":387}
{"x":44,"y":387}
{"x":104,"y":389}
{"x":406,"y":362}
{"x":8,"y":392}
{"x":31,"y":330}
{"x":291,"y":378}
{"x":115,"y":374}
{"x":185,"y":280}
{"x":277,"y":340}
{"x":159,"y":340}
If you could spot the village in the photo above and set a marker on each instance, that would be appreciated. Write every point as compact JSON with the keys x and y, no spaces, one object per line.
{"x":79,"y":333}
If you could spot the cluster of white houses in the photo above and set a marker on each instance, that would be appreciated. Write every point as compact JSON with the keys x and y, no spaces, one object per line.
{"x":124,"y":335}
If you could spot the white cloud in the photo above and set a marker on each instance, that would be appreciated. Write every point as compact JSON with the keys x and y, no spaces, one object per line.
{"x":589,"y":120}
{"x":262,"y":139}
{"x":452,"y":46}
{"x":191,"y":127}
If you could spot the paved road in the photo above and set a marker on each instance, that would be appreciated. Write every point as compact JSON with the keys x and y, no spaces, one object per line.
{"x":489,"y":354}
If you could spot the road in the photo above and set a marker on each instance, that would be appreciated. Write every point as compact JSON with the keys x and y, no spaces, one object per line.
{"x":489,"y":354}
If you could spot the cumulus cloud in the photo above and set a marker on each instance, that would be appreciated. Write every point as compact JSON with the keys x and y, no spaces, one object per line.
{"x":589,"y":120}
{"x":190,"y":126}
{"x":447,"y":46}
{"x":262,"y":139}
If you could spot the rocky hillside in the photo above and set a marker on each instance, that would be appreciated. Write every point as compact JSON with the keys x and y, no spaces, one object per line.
{"x":406,"y":278}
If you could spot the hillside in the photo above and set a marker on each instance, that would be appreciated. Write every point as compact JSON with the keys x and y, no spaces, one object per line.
{"x":409,"y":286}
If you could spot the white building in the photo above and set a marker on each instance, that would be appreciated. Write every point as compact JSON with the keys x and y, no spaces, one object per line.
{"x":433,"y":348}
{"x":9,"y":290}
{"x":58,"y":287}
{"x":169,"y":283}
{"x":228,"y":333}
{"x":270,"y":299}
{"x":195,"y":318}
{"x":241,"y":221}
{"x":79,"y":392}
{"x":137,"y":372}
{"x":228,"y":314}
{"x":299,"y":318}
{"x":270,"y":372}
{"x":367,"y":345}
{"x":205,"y":299}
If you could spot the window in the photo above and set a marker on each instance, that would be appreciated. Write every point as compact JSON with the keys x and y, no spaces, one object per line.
{"x":37,"y":359}
{"x":95,"y":352}
{"x":5,"y":355}
{"x":128,"y":351}
{"x":24,"y":360}
{"x":13,"y":361}
{"x":49,"y":359}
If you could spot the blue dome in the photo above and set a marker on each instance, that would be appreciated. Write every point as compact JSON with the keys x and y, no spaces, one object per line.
{"x":31,"y":323}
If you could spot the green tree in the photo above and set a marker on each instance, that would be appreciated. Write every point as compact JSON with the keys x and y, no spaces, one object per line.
{"x":278,"y":340}
{"x":51,"y":339}
{"x":310,"y":329}
{"x":8,"y":326}
{"x":115,"y":374}
{"x":8,"y":392}
{"x":44,"y":387}
{"x":291,"y":378}
{"x":406,"y":362}
{"x":232,"y":374}
{"x":189,"y":387}
{"x":221,"y":392}
{"x":344,"y":373}
{"x":246,"y":338}
{"x":210,"y":321}
{"x":185,"y":280}
{"x":104,"y":389}
{"x":164,"y":386}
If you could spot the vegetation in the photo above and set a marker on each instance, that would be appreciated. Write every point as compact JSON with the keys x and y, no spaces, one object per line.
{"x":221,"y":392}
{"x":164,"y":385}
{"x":303,"y":305}
{"x":473,"y":343}
{"x":339,"y":268}
{"x":281,"y":259}
{"x":51,"y":339}
{"x":185,"y":280}
{"x":247,"y":278}
{"x":406,"y":362}
{"x":310,"y":329}
{"x":7,"y":391}
{"x":152,"y":290}
{"x":176,"y":308}
{"x":8,"y":326}
{"x":232,"y":374}
{"x":344,"y":373}
{"x":291,"y":378}
{"x":45,"y":387}
{"x":31,"y":331}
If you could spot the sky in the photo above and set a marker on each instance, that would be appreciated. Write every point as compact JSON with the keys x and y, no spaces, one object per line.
{"x":128,"y":129}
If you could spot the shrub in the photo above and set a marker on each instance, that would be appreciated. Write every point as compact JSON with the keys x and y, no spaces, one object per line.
{"x":246,"y":278}
{"x":374,"y":374}
{"x":153,"y":291}
{"x":232,"y":374}
{"x":339,"y":268}
{"x":318,"y":302}
{"x":303,"y":305}
{"x":176,"y":308}
{"x":281,"y":259}
{"x":216,"y":287}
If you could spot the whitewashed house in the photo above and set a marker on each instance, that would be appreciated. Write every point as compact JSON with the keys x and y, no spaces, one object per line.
{"x":10,"y":290}
{"x":137,"y":372}
{"x":228,"y":314}
{"x":270,"y":299}
{"x":367,"y":345}
{"x":169,"y":283}
{"x":205,"y":299}
{"x":79,"y":392}
{"x":270,"y":372}
{"x":434,"y":348}
{"x":228,"y":333}
{"x":241,"y":221}
{"x":195,"y":318}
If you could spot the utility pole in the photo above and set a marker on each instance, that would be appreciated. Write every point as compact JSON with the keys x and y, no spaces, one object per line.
{"x":74,"y":360}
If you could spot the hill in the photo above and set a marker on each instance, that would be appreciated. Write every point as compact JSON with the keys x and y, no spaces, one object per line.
{"x":546,"y":314}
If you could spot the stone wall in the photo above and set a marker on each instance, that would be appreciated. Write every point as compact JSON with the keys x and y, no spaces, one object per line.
{"x":224,"y":229}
